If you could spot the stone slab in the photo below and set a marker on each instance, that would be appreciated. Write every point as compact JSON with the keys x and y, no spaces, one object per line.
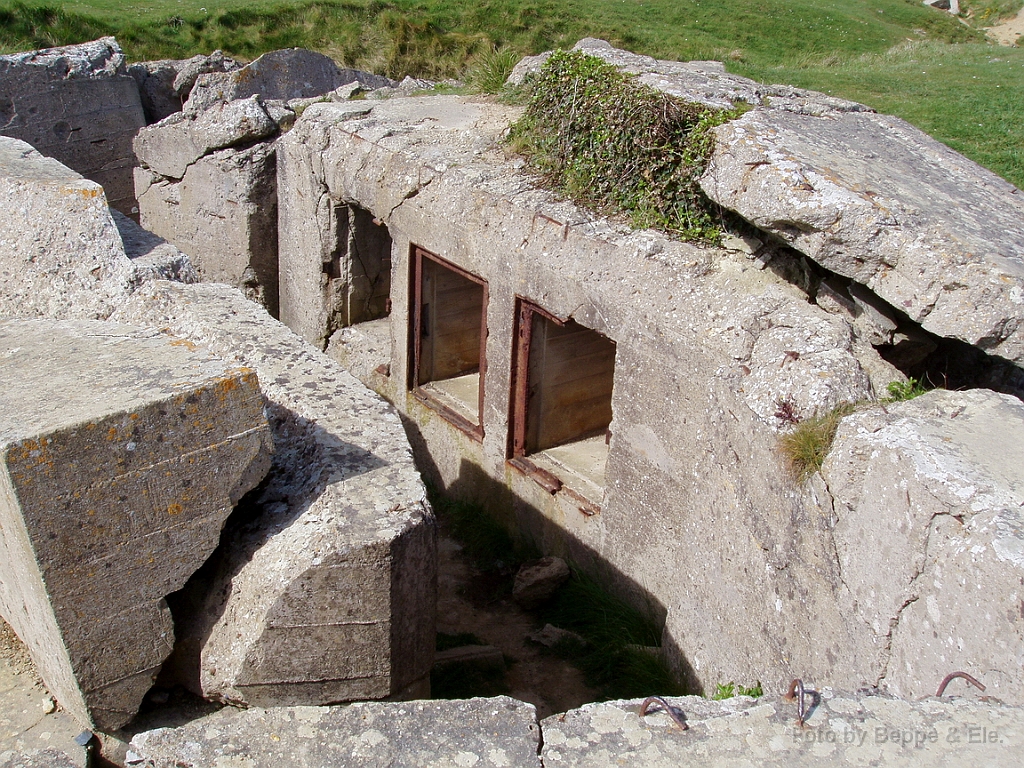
{"x":60,"y":252}
{"x":291,"y":73}
{"x":841,"y":729}
{"x":874,"y":199}
{"x":223,"y":214}
{"x":326,"y":592}
{"x":79,"y":105}
{"x":113,"y":499}
{"x":484,"y":733}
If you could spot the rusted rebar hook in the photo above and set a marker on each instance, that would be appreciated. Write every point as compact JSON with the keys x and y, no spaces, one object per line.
{"x":952,"y":676}
{"x":669,"y":710}
{"x":801,"y":710}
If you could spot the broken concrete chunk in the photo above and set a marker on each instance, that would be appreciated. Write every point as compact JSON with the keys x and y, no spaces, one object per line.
{"x":872,"y":198}
{"x":114,"y":499}
{"x":223,"y":214}
{"x":165,"y":85}
{"x":60,"y":254}
{"x":484,"y":733}
{"x":172,"y":145}
{"x":930,"y":507}
{"x":292,"y":73}
{"x":841,"y":729}
{"x":153,"y":257}
{"x":537,"y":582}
{"x":79,"y":105}
{"x":325,"y":592}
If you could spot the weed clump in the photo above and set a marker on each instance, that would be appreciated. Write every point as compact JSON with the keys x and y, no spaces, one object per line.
{"x":808,"y":443}
{"x":904,"y":390}
{"x":728,"y":690}
{"x":606,"y":141}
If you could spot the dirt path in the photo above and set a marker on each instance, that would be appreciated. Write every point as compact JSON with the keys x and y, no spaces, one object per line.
{"x":1007,"y":32}
{"x":465,"y":603}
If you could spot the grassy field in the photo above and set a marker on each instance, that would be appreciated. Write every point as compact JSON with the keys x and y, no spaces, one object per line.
{"x":895,"y":55}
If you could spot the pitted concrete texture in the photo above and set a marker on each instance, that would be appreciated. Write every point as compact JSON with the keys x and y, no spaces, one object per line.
{"x":60,"y":253}
{"x":482,"y":733}
{"x":328,"y":592}
{"x":928,"y":524}
{"x":37,"y":758}
{"x":79,"y":105}
{"x":124,"y":450}
{"x":841,"y":729}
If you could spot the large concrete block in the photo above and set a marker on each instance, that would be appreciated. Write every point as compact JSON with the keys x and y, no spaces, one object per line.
{"x":326,"y":590}
{"x":223,"y":214}
{"x":291,"y":73}
{"x":871,"y":197}
{"x":79,"y":105}
{"x":123,"y":452}
{"x":60,"y":252}
{"x":929,"y":535}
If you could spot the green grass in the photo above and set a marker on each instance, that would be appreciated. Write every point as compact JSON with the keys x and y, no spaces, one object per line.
{"x":808,"y":443}
{"x":954,"y":85}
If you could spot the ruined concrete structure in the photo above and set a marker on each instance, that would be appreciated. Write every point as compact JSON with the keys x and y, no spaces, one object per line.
{"x":615,"y":396}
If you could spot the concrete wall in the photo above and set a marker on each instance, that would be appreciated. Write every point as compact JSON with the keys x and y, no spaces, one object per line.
{"x":698,"y":517}
{"x":79,"y":105}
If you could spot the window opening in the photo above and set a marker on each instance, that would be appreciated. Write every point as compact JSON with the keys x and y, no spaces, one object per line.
{"x":449,"y":334}
{"x":562,"y":402}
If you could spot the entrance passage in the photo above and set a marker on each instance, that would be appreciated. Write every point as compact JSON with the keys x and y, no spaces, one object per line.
{"x":449,"y":334}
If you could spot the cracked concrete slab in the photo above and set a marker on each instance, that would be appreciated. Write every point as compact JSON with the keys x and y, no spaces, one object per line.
{"x":929,"y":535}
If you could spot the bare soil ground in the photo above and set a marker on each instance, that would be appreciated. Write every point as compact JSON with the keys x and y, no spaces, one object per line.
{"x":1008,"y":32}
{"x":468,"y":602}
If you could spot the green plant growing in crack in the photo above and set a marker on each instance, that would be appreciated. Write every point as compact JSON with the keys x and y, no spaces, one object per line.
{"x":608,"y":142}
{"x":904,"y":390}
{"x":808,"y":443}
{"x":731,"y":689}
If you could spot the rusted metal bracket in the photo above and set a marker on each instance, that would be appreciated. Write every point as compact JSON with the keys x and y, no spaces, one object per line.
{"x":952,"y":676}
{"x":795,"y":687}
{"x":669,"y":710}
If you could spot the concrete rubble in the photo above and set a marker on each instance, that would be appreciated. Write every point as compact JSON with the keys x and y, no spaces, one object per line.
{"x":79,"y":105}
{"x":841,"y":728}
{"x":325,"y":592}
{"x":343,"y":511}
{"x":71,"y":267}
{"x":96,"y":532}
{"x":207,"y":182}
{"x":896,"y":564}
{"x":165,"y":85}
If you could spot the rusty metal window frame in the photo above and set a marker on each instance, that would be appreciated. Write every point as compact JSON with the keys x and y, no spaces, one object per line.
{"x":417,"y":256}
{"x":516,"y":456}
